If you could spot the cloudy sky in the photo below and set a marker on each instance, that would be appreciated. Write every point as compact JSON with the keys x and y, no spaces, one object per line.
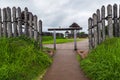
{"x":55,"y":13}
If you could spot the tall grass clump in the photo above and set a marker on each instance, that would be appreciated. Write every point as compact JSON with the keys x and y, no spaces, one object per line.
{"x":103,"y":63}
{"x":21,"y":59}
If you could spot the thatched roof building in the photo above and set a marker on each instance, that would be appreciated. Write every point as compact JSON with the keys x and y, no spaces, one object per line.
{"x":74,"y":25}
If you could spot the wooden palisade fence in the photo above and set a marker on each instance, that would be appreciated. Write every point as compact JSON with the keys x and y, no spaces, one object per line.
{"x":14,"y":22}
{"x":102,"y":26}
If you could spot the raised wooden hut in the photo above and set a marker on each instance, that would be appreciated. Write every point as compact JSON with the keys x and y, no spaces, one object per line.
{"x":74,"y":25}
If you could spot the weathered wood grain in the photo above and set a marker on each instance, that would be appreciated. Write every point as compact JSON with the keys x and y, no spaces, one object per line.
{"x":116,"y":28}
{"x":40,"y":33}
{"x":14,"y":22}
{"x":35,"y":27}
{"x":103,"y":23}
{"x":110,"y":23}
{"x":19,"y":21}
{"x":95,"y":30}
{"x":4,"y":22}
{"x":0,"y":24}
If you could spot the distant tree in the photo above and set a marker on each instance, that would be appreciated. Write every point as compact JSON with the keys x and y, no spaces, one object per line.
{"x":81,"y":33}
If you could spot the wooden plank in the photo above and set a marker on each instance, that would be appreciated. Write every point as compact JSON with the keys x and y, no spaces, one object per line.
{"x":90,"y":32}
{"x":119,"y":20}
{"x":40,"y":33}
{"x":95,"y":30}
{"x":110,"y":24}
{"x":14,"y":22}
{"x":0,"y":24}
{"x":93,"y":36}
{"x":116,"y":28}
{"x":9,"y":23}
{"x":99,"y":25}
{"x":4,"y":22}
{"x":30,"y":24}
{"x":26,"y":21}
{"x":35,"y":27}
{"x":103,"y":23}
{"x":19,"y":21}
{"x":62,"y":29}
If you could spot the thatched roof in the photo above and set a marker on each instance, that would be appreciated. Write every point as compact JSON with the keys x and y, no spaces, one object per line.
{"x":74,"y":25}
{"x":66,"y":32}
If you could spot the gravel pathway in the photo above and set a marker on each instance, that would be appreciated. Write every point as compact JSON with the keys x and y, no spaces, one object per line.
{"x":65,"y":65}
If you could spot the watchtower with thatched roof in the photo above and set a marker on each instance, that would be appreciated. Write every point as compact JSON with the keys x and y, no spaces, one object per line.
{"x":67,"y":34}
{"x":74,"y":25}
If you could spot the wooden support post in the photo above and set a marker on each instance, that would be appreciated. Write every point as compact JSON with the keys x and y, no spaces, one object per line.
{"x":54,"y":34}
{"x":26,"y":21}
{"x":0,"y":24}
{"x":9,"y":23}
{"x":14,"y":22}
{"x":95,"y":30}
{"x":40,"y":33}
{"x":30,"y":25}
{"x":35,"y":27}
{"x":103,"y":23}
{"x":110,"y":24}
{"x":4,"y":22}
{"x":19,"y":21}
{"x":90,"y":33}
{"x":99,"y":25}
{"x":75,"y":42}
{"x":116,"y":28}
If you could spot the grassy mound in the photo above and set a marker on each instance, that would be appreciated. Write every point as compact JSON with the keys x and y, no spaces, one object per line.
{"x":21,"y":59}
{"x":103,"y":63}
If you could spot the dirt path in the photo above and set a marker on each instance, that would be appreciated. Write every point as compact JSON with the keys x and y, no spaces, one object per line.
{"x":65,"y":65}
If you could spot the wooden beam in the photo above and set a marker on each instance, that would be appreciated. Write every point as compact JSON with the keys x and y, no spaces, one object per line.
{"x":62,"y":29}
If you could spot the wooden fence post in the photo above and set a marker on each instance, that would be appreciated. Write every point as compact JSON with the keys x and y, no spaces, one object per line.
{"x":119,"y":20}
{"x":19,"y":21}
{"x":93,"y":36}
{"x":103,"y":23}
{"x":35,"y":27}
{"x":40,"y":33}
{"x":0,"y":24}
{"x":95,"y":29}
{"x":4,"y":22}
{"x":30,"y":24}
{"x":90,"y":33}
{"x":14,"y":22}
{"x":116,"y":28}
{"x":99,"y":26}
{"x":110,"y":24}
{"x":9,"y":23}
{"x":26,"y":21}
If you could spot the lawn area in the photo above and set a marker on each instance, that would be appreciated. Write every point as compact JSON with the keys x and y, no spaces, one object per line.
{"x":103,"y":63}
{"x":21,"y":59}
{"x":50,"y":40}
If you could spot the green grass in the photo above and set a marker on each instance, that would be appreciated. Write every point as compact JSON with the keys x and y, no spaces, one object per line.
{"x":59,"y":40}
{"x":21,"y":59}
{"x":103,"y":63}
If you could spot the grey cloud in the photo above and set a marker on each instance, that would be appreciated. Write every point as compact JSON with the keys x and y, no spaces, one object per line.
{"x":63,"y":13}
